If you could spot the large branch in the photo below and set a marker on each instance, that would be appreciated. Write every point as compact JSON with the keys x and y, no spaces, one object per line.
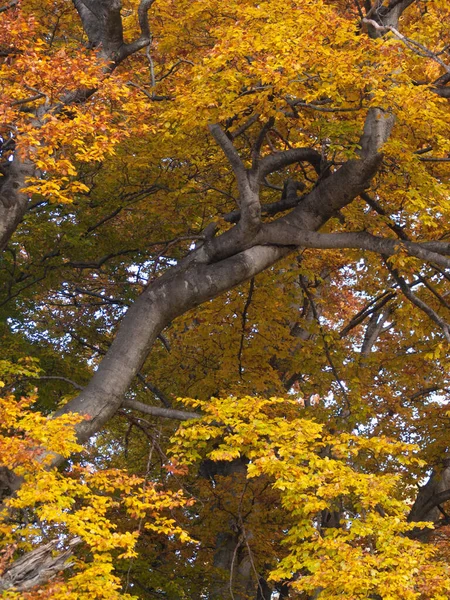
{"x":156,"y":411}
{"x":220,"y":264}
{"x":284,"y":234}
{"x":170,"y":296}
{"x":387,"y":15}
{"x":280,"y":160}
{"x":250,"y":207}
{"x":102,"y":23}
{"x":423,"y":306}
{"x":377,"y":129}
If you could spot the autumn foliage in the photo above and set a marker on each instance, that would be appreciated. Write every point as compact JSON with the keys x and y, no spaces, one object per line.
{"x":233,"y":215}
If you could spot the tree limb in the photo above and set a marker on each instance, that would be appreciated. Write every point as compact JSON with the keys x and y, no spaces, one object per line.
{"x":280,"y":160}
{"x":157,"y":411}
{"x":423,"y":306}
{"x":433,"y":252}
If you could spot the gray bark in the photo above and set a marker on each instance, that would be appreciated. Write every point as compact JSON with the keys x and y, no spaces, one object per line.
{"x":387,"y":15}
{"x":13,"y":203}
{"x":431,"y":496}
{"x":219,"y":265}
{"x":37,"y":567}
{"x":102,"y":23}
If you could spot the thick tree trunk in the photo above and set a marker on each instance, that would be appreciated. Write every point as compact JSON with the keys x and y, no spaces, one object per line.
{"x":13,"y":202}
{"x":219,"y":265}
{"x":431,"y":497}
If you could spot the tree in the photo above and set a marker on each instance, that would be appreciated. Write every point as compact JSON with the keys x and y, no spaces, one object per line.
{"x":233,"y":204}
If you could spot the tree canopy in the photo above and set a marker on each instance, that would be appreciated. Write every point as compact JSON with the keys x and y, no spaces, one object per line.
{"x":232,"y":216}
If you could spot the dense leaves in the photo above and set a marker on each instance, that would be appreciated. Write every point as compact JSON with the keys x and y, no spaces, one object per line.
{"x":244,"y":204}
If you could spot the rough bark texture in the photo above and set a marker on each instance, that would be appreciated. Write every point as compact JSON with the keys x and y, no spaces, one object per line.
{"x":37,"y":567}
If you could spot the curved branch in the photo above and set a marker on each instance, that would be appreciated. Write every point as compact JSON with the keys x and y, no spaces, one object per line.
{"x":8,"y":6}
{"x":74,"y":384}
{"x":387,"y":15}
{"x":260,"y":140}
{"x":289,"y":199}
{"x":102,"y":23}
{"x":280,"y":160}
{"x":377,"y":129}
{"x":374,"y":306}
{"x":374,"y":329}
{"x":435,"y":492}
{"x":413,"y":45}
{"x":143,"y":9}
{"x":13,"y":202}
{"x":247,"y":184}
{"x":145,"y":38}
{"x":282,"y":234}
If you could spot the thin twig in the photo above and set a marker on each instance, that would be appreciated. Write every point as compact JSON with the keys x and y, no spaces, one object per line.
{"x":414,"y":46}
{"x":244,"y":323}
{"x":326,"y":347}
{"x":418,"y":302}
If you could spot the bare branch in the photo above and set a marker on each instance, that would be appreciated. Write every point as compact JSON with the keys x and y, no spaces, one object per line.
{"x":102,"y":23}
{"x":288,"y":200}
{"x":8,"y":6}
{"x":433,"y":252}
{"x":247,"y":185}
{"x":423,"y":306}
{"x":387,"y":15}
{"x":435,"y":492}
{"x":347,"y":411}
{"x":434,"y":159}
{"x":374,"y":329}
{"x":243,"y":128}
{"x":13,"y":202}
{"x":435,"y":293}
{"x":145,"y":38}
{"x":280,"y":160}
{"x":156,"y":411}
{"x":372,"y":307}
{"x":320,"y":108}
{"x":380,"y":210}
{"x":154,"y":390}
{"x":244,"y":324}
{"x":260,"y":140}
{"x":429,"y":390}
{"x":413,"y":45}
{"x":377,"y":129}
{"x":144,"y":7}
{"x":231,"y":153}
{"x":74,"y":384}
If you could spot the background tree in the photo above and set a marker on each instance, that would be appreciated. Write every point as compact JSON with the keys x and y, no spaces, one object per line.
{"x":258,"y":195}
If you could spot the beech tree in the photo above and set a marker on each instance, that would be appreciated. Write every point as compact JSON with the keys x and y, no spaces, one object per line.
{"x":233,"y":217}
